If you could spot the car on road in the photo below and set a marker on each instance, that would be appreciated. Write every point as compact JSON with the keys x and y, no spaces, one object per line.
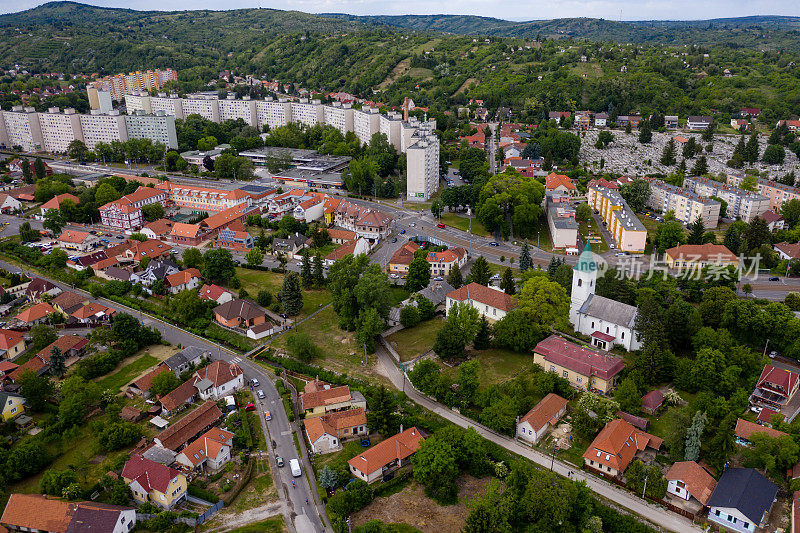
{"x":413,"y":224}
{"x":774,"y":278}
{"x":438,"y":278}
{"x":619,"y":254}
{"x":279,"y":461}
{"x":120,"y":237}
{"x":93,"y":232}
{"x":256,"y":383}
{"x":440,"y":225}
{"x":267,"y":416}
{"x":773,"y":354}
{"x":494,"y":243}
{"x":260,"y":394}
{"x":394,"y":239}
{"x":402,"y":232}
{"x":393,"y":275}
{"x":294,"y":464}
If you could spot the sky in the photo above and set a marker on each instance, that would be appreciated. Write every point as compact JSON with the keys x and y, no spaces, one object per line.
{"x":507,"y":9}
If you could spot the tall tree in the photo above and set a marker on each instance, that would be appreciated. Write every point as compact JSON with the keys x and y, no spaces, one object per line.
{"x":57,"y":366}
{"x":454,"y":278}
{"x":645,"y":133}
{"x":319,"y":272}
{"x":693,"y":435}
{"x":668,"y":156}
{"x":39,"y":169}
{"x":291,"y":294}
{"x":459,"y":329}
{"x":696,"y":232}
{"x":218,"y":265}
{"x":483,"y":337}
{"x":700,"y":166}
{"x":751,"y":149}
{"x":305,"y":271}
{"x":254,"y":257}
{"x":479,"y":273}
{"x":507,"y":283}
{"x":419,"y":272}
{"x":381,"y":416}
{"x":525,"y":261}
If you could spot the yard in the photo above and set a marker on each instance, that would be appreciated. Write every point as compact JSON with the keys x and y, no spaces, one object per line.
{"x":411,"y":506}
{"x":127,"y":373}
{"x":340,"y":351}
{"x":254,"y":281}
{"x":462,"y":222}
{"x":589,"y":227}
{"x":412,"y":342}
{"x":497,"y":366}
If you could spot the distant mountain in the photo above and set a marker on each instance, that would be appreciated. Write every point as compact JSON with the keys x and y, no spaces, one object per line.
{"x":767,"y":31}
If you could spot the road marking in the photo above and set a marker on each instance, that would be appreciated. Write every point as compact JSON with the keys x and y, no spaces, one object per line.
{"x":284,"y":433}
{"x":237,"y":360}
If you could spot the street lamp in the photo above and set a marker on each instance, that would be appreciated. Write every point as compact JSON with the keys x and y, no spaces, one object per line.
{"x":553,"y":456}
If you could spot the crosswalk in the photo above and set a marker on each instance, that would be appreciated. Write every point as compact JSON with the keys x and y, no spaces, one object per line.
{"x":236,"y":360}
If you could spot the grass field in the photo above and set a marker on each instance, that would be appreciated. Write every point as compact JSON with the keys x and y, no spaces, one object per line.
{"x":413,"y":342}
{"x":498,"y":366}
{"x":271,"y":525}
{"x":254,"y":281}
{"x":462,"y":223}
{"x":126,"y":374}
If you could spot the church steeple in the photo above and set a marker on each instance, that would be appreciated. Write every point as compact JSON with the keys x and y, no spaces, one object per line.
{"x":584,"y":279}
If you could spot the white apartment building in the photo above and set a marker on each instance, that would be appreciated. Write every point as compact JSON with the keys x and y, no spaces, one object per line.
{"x":205,"y":106}
{"x":273,"y":113}
{"x":139,"y":101}
{"x":390,"y":126}
{"x":59,"y":129}
{"x":413,"y":129}
{"x":103,"y":128}
{"x":171,"y":105}
{"x":158,"y":128}
{"x":422,"y":169}
{"x":340,"y":116}
{"x":366,"y":123}
{"x":22,"y":128}
{"x":687,"y":205}
{"x":310,"y":114}
{"x":742,"y":204}
{"x":232,"y":109}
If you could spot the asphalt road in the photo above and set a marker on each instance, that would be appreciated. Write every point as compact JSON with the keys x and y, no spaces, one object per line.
{"x":303,"y":517}
{"x":655,"y":514}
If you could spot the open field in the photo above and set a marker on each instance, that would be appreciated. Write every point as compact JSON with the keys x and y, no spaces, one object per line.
{"x":128,"y":372}
{"x":462,"y":223}
{"x":413,"y":342}
{"x":254,"y":281}
{"x":497,"y":366}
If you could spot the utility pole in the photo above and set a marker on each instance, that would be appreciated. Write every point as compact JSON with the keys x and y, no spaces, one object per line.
{"x":645,"y":484}
{"x":553,"y":456}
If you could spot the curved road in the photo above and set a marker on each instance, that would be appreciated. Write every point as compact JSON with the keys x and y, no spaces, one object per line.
{"x":657,"y":515}
{"x":300,"y":517}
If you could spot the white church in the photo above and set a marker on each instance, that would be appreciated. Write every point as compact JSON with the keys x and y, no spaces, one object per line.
{"x":606,"y":321}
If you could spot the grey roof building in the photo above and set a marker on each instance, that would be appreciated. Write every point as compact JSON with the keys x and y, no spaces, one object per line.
{"x":183,"y":360}
{"x":742,"y":499}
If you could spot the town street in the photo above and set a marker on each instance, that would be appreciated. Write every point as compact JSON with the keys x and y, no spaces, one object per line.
{"x":304,"y":518}
{"x":658,"y":515}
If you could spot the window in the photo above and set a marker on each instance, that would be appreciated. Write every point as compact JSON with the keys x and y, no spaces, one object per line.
{"x":552,"y":368}
{"x":592,"y":324}
{"x":580,"y":282}
{"x":623,"y":335}
{"x":565,"y":374}
{"x":578,"y":379}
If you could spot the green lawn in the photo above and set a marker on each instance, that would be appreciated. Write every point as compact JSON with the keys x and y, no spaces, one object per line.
{"x":418,"y":206}
{"x":398,"y":294}
{"x":123,"y":376}
{"x":412,"y":342}
{"x":254,"y":281}
{"x":271,"y":525}
{"x":498,"y":366}
{"x":462,"y":223}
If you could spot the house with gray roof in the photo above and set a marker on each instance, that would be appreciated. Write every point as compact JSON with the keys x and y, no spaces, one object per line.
{"x":183,"y":360}
{"x":608,"y":322}
{"x":742,"y":500}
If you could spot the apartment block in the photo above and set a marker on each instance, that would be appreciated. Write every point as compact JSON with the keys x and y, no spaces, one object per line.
{"x":777,"y":193}
{"x":169,"y":105}
{"x":273,"y":113}
{"x":103,"y":128}
{"x":366,"y":123}
{"x":422,"y":168}
{"x":390,"y":126}
{"x":59,"y":129}
{"x":158,"y":128}
{"x":742,"y":204}
{"x":339,"y":116}
{"x":627,"y":230}
{"x":22,"y":128}
{"x":205,"y":106}
{"x":413,"y":129}
{"x":121,"y":84}
{"x":139,"y":101}
{"x":308,"y":113}
{"x":232,"y":109}
{"x":687,"y":205}
{"x":99,"y":99}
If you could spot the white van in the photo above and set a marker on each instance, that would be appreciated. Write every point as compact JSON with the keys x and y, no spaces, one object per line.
{"x":294,"y":464}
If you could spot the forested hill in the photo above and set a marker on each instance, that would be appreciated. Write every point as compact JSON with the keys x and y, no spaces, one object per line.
{"x":763,"y":31}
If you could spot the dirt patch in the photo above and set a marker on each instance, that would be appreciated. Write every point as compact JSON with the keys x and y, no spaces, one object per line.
{"x":411,"y":506}
{"x":465,"y":85}
{"x":399,"y":69}
{"x":97,"y":459}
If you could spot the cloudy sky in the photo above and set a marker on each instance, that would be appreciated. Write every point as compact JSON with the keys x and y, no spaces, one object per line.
{"x":508,"y":9}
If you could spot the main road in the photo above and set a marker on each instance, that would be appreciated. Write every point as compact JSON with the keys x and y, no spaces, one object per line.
{"x":653,"y":513}
{"x":300,"y":516}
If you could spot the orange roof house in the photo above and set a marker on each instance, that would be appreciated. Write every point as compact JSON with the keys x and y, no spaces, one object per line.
{"x":616,"y":445}
{"x":696,"y":481}
{"x":543,"y":416}
{"x":36,"y":314}
{"x":554,"y":182}
{"x":388,"y":454}
{"x":55,"y":201}
{"x":746,"y":429}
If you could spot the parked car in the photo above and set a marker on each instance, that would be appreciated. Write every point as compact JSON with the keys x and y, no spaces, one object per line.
{"x":260,"y":394}
{"x":394,"y":239}
{"x":402,"y":232}
{"x":494,"y":243}
{"x":279,"y":461}
{"x":393,"y":275}
{"x":774,"y":278}
{"x":250,"y":407}
{"x":294,"y":464}
{"x":256,"y":383}
{"x":267,"y":416}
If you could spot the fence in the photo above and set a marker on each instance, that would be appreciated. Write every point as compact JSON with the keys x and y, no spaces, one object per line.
{"x":188,"y":520}
{"x":211,"y":511}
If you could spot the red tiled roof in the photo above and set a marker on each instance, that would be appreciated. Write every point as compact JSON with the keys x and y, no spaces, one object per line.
{"x":212,"y":292}
{"x":544,"y":411}
{"x":483,"y":294}
{"x":447,"y":256}
{"x":36,"y":312}
{"x":766,"y":415}
{"x":65,"y":343}
{"x":746,"y":429}
{"x":10,"y":338}
{"x":791,"y":250}
{"x":701,"y":252}
{"x":220,"y":372}
{"x":161,"y":226}
{"x":777,"y":379}
{"x":310,"y":400}
{"x":208,"y":444}
{"x":405,"y":254}
{"x":342,"y":251}
{"x":617,"y":443}
{"x":582,"y":360}
{"x":653,"y":399}
{"x":183,"y":277}
{"x":55,"y":201}
{"x":394,"y":448}
{"x":190,"y":425}
{"x":91,"y":309}
{"x":699,"y":482}
{"x":72,"y":236}
{"x":149,"y":474}
{"x":36,"y":512}
{"x":145,"y":382}
{"x":185,"y":230}
{"x":179,"y":396}
{"x":225,"y":217}
{"x":553,"y":181}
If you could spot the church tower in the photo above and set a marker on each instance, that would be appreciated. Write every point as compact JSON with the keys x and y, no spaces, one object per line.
{"x":584,"y":281}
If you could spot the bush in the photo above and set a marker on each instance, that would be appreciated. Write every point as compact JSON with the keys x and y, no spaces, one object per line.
{"x":409,"y":316}
{"x":302,"y":347}
{"x":203,"y":494}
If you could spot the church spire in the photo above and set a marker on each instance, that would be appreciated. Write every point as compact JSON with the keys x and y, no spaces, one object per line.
{"x":586,"y":262}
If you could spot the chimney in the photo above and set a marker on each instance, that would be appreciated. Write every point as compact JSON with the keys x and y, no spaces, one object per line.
{"x":401,"y":425}
{"x":405,"y":109}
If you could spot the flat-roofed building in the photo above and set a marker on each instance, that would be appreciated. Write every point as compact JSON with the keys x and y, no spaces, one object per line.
{"x":688,"y":206}
{"x":628,"y":232}
{"x":232,"y":109}
{"x":22,"y":128}
{"x":103,"y":128}
{"x":366,"y":123}
{"x":158,"y":128}
{"x":273,"y":113}
{"x":339,"y":116}
{"x":205,"y":106}
{"x":169,"y":105}
{"x":742,"y":204}
{"x":390,"y":126}
{"x":308,"y":113}
{"x":59,"y":129}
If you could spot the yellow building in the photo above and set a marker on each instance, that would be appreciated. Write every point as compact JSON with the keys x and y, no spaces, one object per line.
{"x":402,"y":258}
{"x":153,"y":482}
{"x":12,"y":406}
{"x":626,"y":229}
{"x":698,"y":256}
{"x":582,"y":367}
